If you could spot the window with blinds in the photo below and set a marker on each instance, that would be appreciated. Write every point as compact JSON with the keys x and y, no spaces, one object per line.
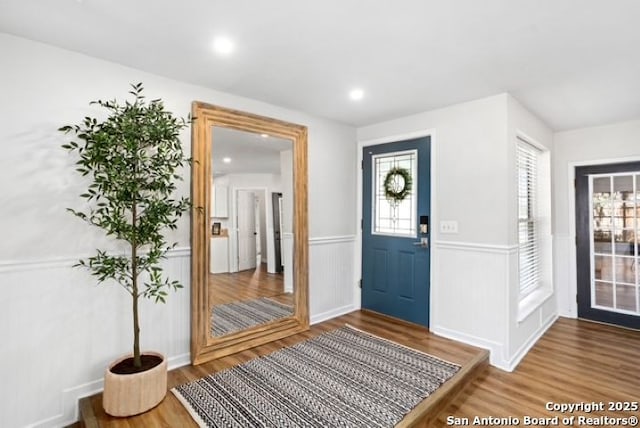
{"x":528,"y":243}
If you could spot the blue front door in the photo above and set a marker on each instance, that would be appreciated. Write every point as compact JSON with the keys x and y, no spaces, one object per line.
{"x":396,"y":228}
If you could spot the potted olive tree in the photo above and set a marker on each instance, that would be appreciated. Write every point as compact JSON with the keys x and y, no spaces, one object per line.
{"x":132,"y":160}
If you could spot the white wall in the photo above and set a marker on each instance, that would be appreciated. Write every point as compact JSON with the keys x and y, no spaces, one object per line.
{"x":58,"y":329}
{"x":470,"y":163}
{"x":597,"y":145}
{"x":473,"y":164}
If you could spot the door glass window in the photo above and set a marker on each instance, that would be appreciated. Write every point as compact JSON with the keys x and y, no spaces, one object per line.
{"x":395,"y":172}
{"x":615,"y":208}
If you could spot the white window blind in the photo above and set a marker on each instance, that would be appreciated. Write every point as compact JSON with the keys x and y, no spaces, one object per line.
{"x":528,"y":244}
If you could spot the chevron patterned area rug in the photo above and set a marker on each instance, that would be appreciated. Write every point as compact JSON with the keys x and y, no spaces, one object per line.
{"x":345,"y":378}
{"x":236,"y":316}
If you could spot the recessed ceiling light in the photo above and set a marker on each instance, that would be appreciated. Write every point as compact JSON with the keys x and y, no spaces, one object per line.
{"x":356,"y":94}
{"x":226,"y":160}
{"x":264,"y":135}
{"x":223,"y":45}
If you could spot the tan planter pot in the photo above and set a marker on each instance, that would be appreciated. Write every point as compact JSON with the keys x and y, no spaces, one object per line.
{"x":131,"y":394}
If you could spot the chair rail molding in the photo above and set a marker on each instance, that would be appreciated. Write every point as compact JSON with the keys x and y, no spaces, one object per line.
{"x":474,"y":246}
{"x":68,"y":261}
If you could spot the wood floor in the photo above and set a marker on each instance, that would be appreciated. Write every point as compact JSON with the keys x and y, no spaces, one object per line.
{"x":170,"y":413}
{"x":245,"y":285}
{"x":575,"y":361}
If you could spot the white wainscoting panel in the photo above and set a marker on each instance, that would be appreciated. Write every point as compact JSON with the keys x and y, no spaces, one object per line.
{"x":564,"y":253}
{"x":331,"y":277}
{"x":472,"y":301}
{"x":60,"y":330}
{"x":541,"y":325}
{"x":469,"y":294}
{"x":287,"y":261}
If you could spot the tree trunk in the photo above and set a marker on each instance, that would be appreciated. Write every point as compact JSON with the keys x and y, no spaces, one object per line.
{"x":137,"y":360}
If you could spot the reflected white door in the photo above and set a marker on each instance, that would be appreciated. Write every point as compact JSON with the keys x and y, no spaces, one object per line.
{"x":246,"y":230}
{"x":258,"y":237}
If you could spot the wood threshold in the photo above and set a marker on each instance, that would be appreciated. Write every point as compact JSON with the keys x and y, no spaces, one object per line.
{"x":430,"y":408}
{"x":393,"y":319}
{"x":608,"y":324}
{"x":575,"y":361}
{"x":171,"y":413}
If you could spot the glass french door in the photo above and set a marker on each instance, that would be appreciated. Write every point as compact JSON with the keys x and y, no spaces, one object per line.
{"x":608,"y":229}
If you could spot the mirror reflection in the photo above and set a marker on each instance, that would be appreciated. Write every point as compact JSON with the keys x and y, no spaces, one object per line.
{"x":250,"y":279}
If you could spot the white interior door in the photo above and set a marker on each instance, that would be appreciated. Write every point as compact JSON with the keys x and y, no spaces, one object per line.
{"x":258,"y":234}
{"x":246,"y":230}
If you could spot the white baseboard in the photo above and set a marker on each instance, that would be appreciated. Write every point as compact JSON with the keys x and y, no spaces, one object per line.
{"x":567,"y":314}
{"x":495,"y":349}
{"x":324,"y":316}
{"x":71,"y":397}
{"x":526,"y":347}
{"x":179,"y":361}
{"x":497,"y":356}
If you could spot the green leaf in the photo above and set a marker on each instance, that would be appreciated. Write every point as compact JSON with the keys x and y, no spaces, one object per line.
{"x":131,"y":157}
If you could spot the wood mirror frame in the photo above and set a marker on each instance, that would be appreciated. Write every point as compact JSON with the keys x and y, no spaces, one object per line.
{"x":205,"y":347}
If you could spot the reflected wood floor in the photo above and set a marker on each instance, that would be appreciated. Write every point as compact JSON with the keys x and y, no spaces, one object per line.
{"x":575,"y":361}
{"x":245,"y":285}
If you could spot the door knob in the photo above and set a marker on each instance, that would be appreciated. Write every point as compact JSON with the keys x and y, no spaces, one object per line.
{"x":423,"y":242}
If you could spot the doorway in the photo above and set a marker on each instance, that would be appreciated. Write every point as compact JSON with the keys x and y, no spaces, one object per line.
{"x":607,"y":244}
{"x":395,"y":229}
{"x":247,"y":234}
{"x":276,"y":205}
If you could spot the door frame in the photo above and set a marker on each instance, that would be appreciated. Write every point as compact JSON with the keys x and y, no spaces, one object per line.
{"x":572,"y":273}
{"x":433,"y":222}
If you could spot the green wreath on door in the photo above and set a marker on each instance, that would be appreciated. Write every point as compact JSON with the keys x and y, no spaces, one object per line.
{"x":397,"y":184}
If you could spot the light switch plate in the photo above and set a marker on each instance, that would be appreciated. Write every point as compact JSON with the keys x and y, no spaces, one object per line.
{"x":449,"y":226}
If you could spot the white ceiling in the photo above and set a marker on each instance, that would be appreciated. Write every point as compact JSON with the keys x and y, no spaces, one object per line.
{"x":249,"y":153}
{"x":574,"y":63}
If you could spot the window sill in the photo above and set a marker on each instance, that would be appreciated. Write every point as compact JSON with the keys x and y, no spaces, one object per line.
{"x":532,"y":302}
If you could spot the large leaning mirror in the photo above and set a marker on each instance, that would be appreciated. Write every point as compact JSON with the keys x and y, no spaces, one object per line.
{"x":249,"y":231}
